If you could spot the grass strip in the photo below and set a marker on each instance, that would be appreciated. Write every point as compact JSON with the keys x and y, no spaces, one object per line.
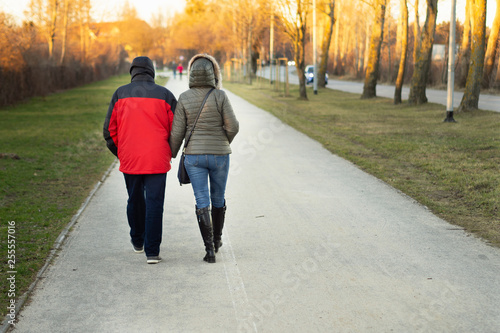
{"x":52,"y":154}
{"x":452,"y":168}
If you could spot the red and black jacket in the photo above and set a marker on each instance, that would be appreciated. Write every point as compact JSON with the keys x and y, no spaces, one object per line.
{"x":138,"y":124}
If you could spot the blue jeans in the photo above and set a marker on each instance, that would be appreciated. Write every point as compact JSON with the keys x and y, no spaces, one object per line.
{"x":204,"y":168}
{"x":146,"y":195}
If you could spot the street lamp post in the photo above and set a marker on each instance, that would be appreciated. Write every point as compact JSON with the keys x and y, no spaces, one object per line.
{"x":451,"y":66}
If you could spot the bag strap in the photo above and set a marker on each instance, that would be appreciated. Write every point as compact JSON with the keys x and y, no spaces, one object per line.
{"x":197,"y":117}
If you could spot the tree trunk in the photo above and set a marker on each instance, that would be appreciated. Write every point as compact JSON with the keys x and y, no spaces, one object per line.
{"x":389,"y":53}
{"x":336,"y":43}
{"x":83,"y":16}
{"x":325,"y":45}
{"x":367,"y":45}
{"x":81,"y":24}
{"x":344,"y":50}
{"x":357,"y":52}
{"x":446,"y":61}
{"x":404,"y":52}
{"x":296,"y":13}
{"x":372,"y":68}
{"x":299,"y":50}
{"x":65,"y":31}
{"x":424,"y":56}
{"x":51,"y":28}
{"x":470,"y":100}
{"x":398,"y":46}
{"x":88,"y":40}
{"x":464,"y":55}
{"x":491,"y":50}
{"x":416,"y":33}
{"x":497,"y":78}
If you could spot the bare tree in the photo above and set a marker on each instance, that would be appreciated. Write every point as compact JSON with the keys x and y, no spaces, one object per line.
{"x":294,"y":15}
{"x":83,"y":17}
{"x":336,"y":48}
{"x":497,"y":78}
{"x":248,"y":16}
{"x":329,"y":11}
{"x":491,"y":50}
{"x":51,"y":26}
{"x":464,"y":55}
{"x":388,"y":40}
{"x":128,"y":12}
{"x":12,"y":44}
{"x":66,"y":6}
{"x":470,"y":99}
{"x":404,"y":52}
{"x":424,"y":55}
{"x":372,"y":69}
{"x":44,"y":15}
{"x":366,"y":54}
{"x":416,"y":32}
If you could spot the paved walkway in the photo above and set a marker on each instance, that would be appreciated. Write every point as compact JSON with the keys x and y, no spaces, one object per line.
{"x":311,"y":244}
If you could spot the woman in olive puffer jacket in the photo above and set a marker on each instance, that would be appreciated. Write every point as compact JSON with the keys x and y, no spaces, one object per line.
{"x":207,"y":154}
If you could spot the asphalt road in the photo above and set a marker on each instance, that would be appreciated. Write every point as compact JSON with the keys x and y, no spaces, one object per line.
{"x":486,"y":102}
{"x":311,"y":244}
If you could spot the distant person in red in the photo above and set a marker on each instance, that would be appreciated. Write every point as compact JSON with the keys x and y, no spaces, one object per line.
{"x":137,"y":129}
{"x":180,"y":69}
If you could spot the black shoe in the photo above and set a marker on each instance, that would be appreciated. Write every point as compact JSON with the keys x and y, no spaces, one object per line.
{"x":203,"y":216}
{"x":209,"y":257}
{"x":218,"y":216}
{"x":153,"y":260}
{"x":137,"y":249}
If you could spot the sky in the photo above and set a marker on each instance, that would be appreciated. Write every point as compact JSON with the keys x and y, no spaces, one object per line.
{"x":105,"y":9}
{"x":444,"y":11}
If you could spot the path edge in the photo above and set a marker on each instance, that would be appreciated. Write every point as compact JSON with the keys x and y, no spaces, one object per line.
{"x":55,"y":248}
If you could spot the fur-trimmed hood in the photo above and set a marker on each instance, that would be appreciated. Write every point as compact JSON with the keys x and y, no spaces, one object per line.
{"x":203,"y":71}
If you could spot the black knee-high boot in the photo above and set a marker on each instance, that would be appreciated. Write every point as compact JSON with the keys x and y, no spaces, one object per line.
{"x":203,"y":215}
{"x":218,"y":215}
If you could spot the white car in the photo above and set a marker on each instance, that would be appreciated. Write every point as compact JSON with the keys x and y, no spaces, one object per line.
{"x":310,"y":75}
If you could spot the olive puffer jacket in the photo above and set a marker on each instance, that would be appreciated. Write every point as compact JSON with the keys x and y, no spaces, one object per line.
{"x":217,"y":125}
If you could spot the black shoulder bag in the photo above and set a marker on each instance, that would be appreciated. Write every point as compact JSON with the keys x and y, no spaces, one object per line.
{"x":182,"y":174}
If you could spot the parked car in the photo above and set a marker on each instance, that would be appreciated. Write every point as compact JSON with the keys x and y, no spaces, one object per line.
{"x":310,"y":75}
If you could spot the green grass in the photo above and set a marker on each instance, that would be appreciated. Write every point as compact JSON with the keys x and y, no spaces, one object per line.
{"x":452,"y":168}
{"x":62,"y":155}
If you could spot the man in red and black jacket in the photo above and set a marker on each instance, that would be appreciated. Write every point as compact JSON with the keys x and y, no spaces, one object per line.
{"x":136,"y":130}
